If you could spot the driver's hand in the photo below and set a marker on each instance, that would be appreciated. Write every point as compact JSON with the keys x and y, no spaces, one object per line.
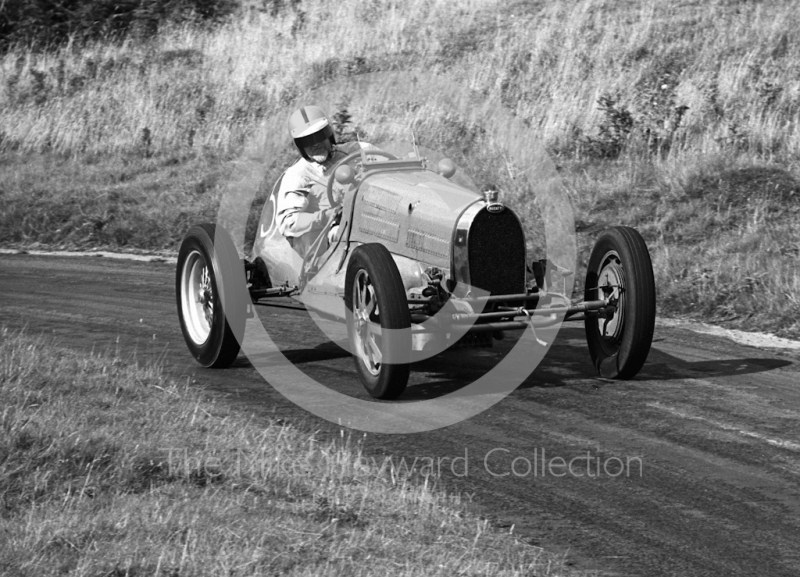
{"x":338,"y":192}
{"x":333,"y":213}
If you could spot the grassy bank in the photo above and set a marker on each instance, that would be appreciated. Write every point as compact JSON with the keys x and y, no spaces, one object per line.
{"x":109,"y":468}
{"x":681,"y":119}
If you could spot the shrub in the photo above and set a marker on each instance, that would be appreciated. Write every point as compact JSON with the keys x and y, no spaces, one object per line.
{"x":346,"y":131}
{"x":613,"y":132}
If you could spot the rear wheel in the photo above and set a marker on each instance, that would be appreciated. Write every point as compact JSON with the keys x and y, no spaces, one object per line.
{"x":378,"y":321}
{"x":620,"y":270}
{"x":211,"y":295}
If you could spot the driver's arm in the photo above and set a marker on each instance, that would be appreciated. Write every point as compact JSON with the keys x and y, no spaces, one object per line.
{"x":293,"y":218}
{"x":294,"y":222}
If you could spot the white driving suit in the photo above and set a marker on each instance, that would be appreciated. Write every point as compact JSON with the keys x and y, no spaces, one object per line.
{"x":302,"y":197}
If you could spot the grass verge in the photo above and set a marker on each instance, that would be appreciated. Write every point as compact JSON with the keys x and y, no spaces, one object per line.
{"x":110,"y":468}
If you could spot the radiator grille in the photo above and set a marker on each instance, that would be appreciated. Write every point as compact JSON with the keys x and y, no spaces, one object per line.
{"x":496,"y":248}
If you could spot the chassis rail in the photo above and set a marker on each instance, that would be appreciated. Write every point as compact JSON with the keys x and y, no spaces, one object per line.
{"x":509,"y":317}
{"x":504,"y":318}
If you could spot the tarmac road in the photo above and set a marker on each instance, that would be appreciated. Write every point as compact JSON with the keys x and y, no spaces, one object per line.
{"x":693,"y":468}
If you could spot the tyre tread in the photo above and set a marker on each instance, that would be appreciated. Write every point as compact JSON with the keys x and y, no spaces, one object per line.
{"x":376,"y":258}
{"x":640,"y":315}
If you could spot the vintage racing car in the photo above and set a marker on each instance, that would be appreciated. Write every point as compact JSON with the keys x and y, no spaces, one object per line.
{"x":418,"y":261}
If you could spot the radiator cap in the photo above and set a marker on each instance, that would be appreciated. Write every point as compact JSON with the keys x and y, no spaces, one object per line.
{"x":490,"y":196}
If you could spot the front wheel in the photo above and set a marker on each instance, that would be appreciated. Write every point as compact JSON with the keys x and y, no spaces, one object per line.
{"x":620,"y":270}
{"x":378,"y":321}
{"x":211,"y":295}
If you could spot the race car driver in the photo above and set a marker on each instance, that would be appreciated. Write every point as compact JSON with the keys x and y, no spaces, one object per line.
{"x":303,"y":206}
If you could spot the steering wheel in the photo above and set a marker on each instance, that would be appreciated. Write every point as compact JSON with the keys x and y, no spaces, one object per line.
{"x":349,"y":158}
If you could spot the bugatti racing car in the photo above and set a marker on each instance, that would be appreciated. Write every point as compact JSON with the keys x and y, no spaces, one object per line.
{"x":417,"y":262}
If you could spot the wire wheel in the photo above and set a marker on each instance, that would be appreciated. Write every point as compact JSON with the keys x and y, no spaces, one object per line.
{"x":211,"y":295}
{"x":197,"y":297}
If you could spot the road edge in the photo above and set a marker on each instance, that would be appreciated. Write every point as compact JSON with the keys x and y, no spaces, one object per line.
{"x":747,"y":338}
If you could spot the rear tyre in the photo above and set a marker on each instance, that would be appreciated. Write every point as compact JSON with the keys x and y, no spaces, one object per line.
{"x":378,"y":321}
{"x":211,"y":295}
{"x":621,"y":271}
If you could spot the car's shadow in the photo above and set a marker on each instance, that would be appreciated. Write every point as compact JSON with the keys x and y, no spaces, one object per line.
{"x":566,"y":363}
{"x":323,"y":352}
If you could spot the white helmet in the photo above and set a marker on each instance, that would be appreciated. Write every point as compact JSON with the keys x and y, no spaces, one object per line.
{"x":309,"y":125}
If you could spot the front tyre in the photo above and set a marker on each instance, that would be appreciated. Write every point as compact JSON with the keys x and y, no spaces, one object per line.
{"x":620,"y":270}
{"x":211,"y":295}
{"x":378,"y":321}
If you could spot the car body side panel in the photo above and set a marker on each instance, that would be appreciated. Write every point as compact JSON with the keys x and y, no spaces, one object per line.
{"x":413,"y":214}
{"x":283,"y":262}
{"x":324,"y":291}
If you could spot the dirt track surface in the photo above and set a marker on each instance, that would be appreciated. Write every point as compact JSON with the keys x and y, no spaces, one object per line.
{"x":715,"y":425}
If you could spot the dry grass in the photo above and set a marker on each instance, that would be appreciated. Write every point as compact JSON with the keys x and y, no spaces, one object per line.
{"x":734,"y":64}
{"x":722,"y":233}
{"x":109,"y":468}
{"x":679,"y":118}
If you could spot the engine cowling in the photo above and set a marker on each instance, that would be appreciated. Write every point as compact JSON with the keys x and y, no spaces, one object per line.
{"x":425,"y":217}
{"x":412,"y":213}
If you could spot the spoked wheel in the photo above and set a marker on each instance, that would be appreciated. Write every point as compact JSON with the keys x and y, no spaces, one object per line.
{"x":378,"y":321}
{"x":620,"y":270}
{"x":211,"y":295}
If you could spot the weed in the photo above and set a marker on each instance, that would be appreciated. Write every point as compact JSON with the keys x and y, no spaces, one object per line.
{"x":332,"y":68}
{"x":345,"y":129}
{"x":38,"y":86}
{"x":184,"y":57}
{"x":146,"y":142}
{"x":613,"y":132}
